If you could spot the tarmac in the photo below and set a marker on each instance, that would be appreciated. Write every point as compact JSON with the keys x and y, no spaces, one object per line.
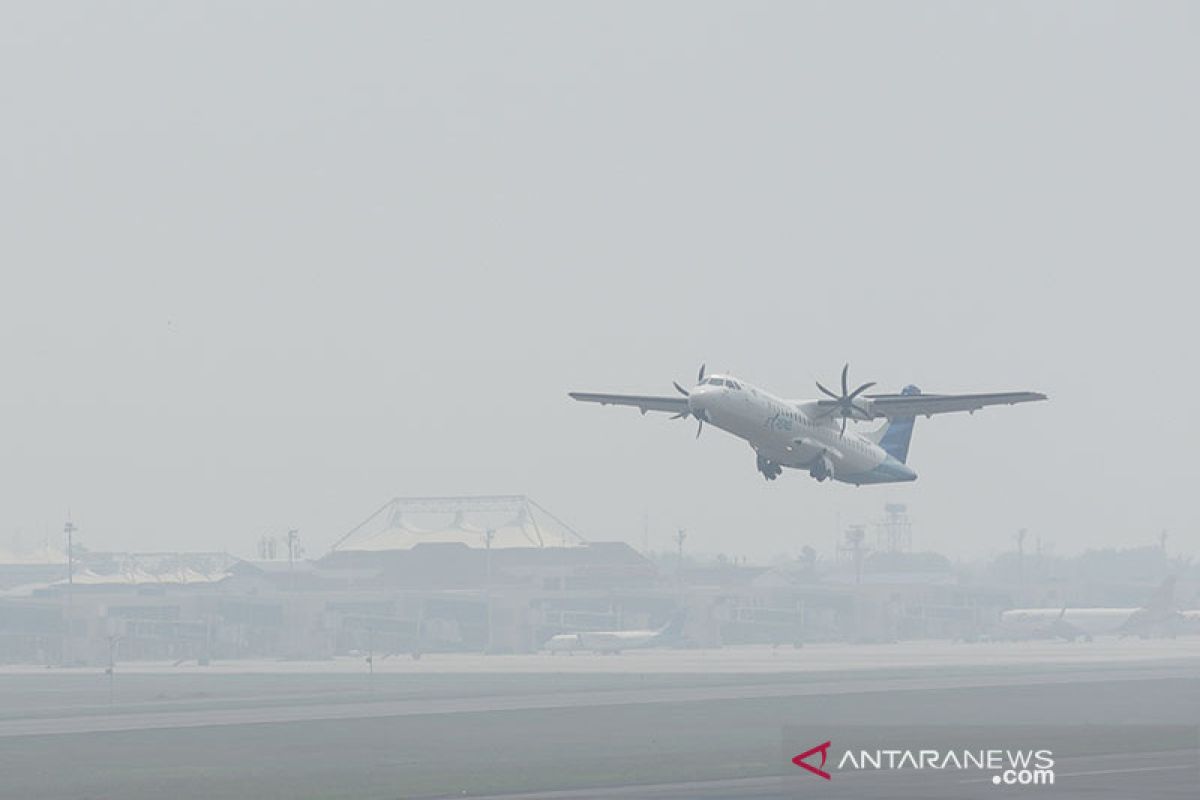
{"x":728,"y":660}
{"x":1158,"y":775}
{"x":658,"y":724}
{"x":334,"y":710}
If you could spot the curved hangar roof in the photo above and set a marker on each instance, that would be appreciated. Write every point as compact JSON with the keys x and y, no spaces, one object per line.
{"x":510,"y":521}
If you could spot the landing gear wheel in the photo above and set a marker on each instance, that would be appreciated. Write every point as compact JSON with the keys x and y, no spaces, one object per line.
{"x":822,"y":469}
{"x":769,"y":469}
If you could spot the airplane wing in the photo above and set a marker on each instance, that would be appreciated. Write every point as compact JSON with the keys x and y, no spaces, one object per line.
{"x":671,"y":405}
{"x":926,"y":405}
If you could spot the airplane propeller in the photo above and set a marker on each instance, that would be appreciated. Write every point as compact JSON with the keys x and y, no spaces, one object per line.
{"x":845,"y":401}
{"x":698,"y":415}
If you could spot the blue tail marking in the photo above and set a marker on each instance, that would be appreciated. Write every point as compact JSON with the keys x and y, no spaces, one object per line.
{"x":899,"y":432}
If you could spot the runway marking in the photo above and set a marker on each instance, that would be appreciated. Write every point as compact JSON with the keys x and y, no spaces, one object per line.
{"x":45,"y":726}
{"x":695,"y":788}
{"x":1121,"y":771}
{"x":812,"y":658}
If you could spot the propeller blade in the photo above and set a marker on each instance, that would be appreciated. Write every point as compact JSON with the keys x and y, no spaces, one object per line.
{"x":700,"y":429}
{"x":826,"y":391}
{"x":680,"y":415}
{"x":860,"y":390}
{"x":844,"y":403}
{"x":680,"y":389}
{"x":700,"y":376}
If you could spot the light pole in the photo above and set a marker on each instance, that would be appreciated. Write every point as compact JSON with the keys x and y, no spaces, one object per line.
{"x":855,"y":536}
{"x":488,"y":535}
{"x":371,"y":657}
{"x":293,"y":536}
{"x":680,"y":535}
{"x":69,"y":529}
{"x":1021,"y":534}
{"x":112,"y":666}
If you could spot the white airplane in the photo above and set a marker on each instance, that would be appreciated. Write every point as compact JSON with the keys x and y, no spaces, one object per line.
{"x":1157,"y":616}
{"x":805,"y":434}
{"x":616,"y":641}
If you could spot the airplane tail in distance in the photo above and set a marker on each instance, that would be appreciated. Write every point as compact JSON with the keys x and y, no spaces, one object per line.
{"x":897,"y":434}
{"x":1163,"y":598}
{"x":674,"y":627}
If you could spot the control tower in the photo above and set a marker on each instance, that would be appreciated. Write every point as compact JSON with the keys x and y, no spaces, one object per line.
{"x":894,"y":533}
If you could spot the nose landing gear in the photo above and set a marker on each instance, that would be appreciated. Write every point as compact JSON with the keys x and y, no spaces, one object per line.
{"x":769,"y":469}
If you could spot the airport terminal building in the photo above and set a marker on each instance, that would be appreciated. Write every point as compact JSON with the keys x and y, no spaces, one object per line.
{"x":491,"y":574}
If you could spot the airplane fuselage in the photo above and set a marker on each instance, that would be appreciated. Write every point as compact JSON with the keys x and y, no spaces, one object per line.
{"x":792,"y":434}
{"x":601,"y":641}
{"x":1067,"y":622}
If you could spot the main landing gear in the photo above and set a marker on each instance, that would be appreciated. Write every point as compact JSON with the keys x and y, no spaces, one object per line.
{"x":769,"y":469}
{"x":822,"y":468}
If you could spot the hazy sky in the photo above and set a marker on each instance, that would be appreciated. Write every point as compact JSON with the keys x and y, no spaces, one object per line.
{"x":266,"y":265}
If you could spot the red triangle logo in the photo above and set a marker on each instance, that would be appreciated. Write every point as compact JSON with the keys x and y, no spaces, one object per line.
{"x":823,"y":749}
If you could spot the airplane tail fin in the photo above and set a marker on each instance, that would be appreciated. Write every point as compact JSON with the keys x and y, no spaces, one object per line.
{"x":894,"y":437}
{"x":1163,"y":598}
{"x":1158,"y":610}
{"x":674,"y":627}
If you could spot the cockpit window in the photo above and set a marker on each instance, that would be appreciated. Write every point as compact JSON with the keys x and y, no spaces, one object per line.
{"x":733,"y":384}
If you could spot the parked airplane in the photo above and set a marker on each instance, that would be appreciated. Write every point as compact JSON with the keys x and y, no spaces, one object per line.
{"x":616,"y":641}
{"x":1158,"y":616}
{"x":804,"y":434}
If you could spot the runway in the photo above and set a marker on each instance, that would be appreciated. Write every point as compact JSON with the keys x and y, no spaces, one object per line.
{"x":355,"y":710}
{"x":823,"y":657}
{"x":132,"y":721}
{"x":654,"y":724}
{"x":1148,"y":774}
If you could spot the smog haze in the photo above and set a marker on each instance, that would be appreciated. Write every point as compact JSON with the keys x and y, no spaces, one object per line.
{"x":269,"y":265}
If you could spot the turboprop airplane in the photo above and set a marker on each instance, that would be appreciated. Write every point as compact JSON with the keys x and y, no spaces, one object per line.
{"x":616,"y":641}
{"x":805,"y":434}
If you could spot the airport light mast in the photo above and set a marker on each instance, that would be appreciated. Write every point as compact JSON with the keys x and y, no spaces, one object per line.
{"x":69,"y":529}
{"x":1021,"y":534}
{"x":293,"y":540}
